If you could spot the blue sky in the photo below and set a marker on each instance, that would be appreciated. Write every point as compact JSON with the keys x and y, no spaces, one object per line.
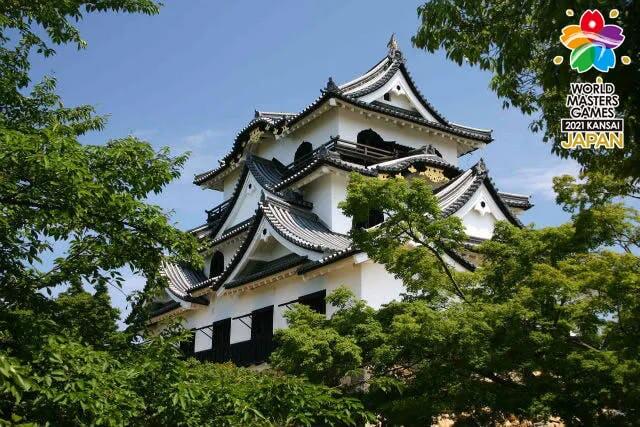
{"x":191,"y":77}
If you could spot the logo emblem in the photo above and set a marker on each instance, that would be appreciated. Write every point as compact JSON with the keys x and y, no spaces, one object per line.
{"x":592,"y":43}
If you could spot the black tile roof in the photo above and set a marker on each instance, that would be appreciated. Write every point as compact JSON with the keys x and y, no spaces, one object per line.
{"x":520,"y":201}
{"x":301,"y":227}
{"x":457,"y":257}
{"x":232,"y":231}
{"x":333,"y":257}
{"x":270,"y":267}
{"x":163,"y":308}
{"x":268,"y":172}
{"x":278,"y":122}
{"x":455,"y":193}
{"x":322,"y":158}
{"x":181,"y":278}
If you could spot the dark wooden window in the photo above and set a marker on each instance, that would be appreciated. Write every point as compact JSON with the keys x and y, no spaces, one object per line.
{"x":217,"y":264}
{"x":221,"y":340}
{"x":259,"y":347}
{"x":188,"y":345}
{"x":387,"y":96}
{"x":242,"y":353}
{"x":315,"y":301}
{"x":373,"y":139}
{"x":304,"y":150}
{"x":262,"y":333}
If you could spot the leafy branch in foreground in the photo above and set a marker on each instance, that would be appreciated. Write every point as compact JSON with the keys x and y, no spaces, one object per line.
{"x":71,"y":217}
{"x":548,"y":326}
{"x":516,"y":41}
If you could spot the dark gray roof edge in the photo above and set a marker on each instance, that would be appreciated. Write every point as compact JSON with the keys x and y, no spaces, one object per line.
{"x":316,"y":163}
{"x":480,"y":175}
{"x":261,"y":122}
{"x":520,"y":201}
{"x":461,"y":260}
{"x":278,"y":265}
{"x":231,"y":232}
{"x":165,"y":308}
{"x":331,"y":258}
{"x":300,"y":241}
{"x":235,"y":259}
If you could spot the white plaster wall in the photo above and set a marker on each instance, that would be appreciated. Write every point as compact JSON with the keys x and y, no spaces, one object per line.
{"x":398,"y":101}
{"x":230,"y":182}
{"x":326,"y":193}
{"x":340,"y":223}
{"x":269,"y":250}
{"x":246,"y":205}
{"x":378,"y":285}
{"x":317,"y":132}
{"x":398,"y":85}
{"x":282,"y":149}
{"x":352,"y":122}
{"x":240,"y":303}
{"x":319,"y":192}
{"x":227,"y":248}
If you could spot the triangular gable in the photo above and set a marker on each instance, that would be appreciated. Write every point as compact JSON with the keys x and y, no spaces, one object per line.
{"x":391,"y":77}
{"x":243,"y":202}
{"x":480,"y":213}
{"x":292,"y":229}
{"x":259,"y":175}
{"x":265,"y":245}
{"x":473,"y":197}
{"x":400,"y":94}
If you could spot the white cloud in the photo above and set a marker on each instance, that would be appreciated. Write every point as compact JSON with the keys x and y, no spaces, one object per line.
{"x":538,"y":181}
{"x":200,"y":137}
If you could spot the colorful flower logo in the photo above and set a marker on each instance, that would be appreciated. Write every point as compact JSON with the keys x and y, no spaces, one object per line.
{"x":592,"y":42}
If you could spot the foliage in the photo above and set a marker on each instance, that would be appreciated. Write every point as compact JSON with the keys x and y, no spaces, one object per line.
{"x":547,"y":326}
{"x":26,"y":27}
{"x":71,"y":217}
{"x":516,"y":41}
{"x":69,"y":383}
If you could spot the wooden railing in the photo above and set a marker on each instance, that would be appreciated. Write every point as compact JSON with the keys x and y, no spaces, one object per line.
{"x":347,"y":150}
{"x":214,"y":214}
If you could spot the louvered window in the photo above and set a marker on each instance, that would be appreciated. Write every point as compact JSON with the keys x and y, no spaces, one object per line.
{"x":315,"y":301}
{"x":187,"y":346}
{"x":221,"y":340}
{"x":262,"y":333}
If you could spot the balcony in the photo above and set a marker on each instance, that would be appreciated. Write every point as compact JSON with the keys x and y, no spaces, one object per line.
{"x":351,"y":151}
{"x":215,"y":215}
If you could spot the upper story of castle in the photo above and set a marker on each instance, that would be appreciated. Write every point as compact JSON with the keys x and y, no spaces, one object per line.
{"x":384,"y":99}
{"x":286,"y":174}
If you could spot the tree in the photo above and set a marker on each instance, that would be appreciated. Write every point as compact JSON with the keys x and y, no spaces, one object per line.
{"x":71,"y":216}
{"x":516,"y":41}
{"x":547,"y":326}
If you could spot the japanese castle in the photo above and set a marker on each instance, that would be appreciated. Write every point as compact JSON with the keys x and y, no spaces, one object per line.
{"x":279,"y":237}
